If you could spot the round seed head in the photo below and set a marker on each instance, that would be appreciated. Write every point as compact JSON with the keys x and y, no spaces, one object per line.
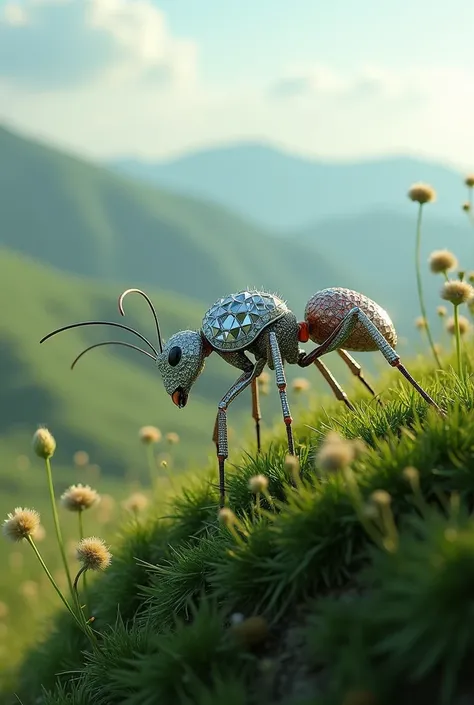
{"x":381,"y":497}
{"x":21,"y":524}
{"x":164,"y":463}
{"x":81,"y":458}
{"x":442,"y":261}
{"x":420,"y":323}
{"x":172,"y":438}
{"x":227,"y":517}
{"x":335,"y":453}
{"x":457,"y":292}
{"x":422,"y":193}
{"x":93,"y":554}
{"x":469,"y":180}
{"x":441,"y":311}
{"x":292,"y":463}
{"x":463,"y":322}
{"x":258,"y":484}
{"x":411,"y":474}
{"x":300,"y":384}
{"x":79,"y":497}
{"x":149,"y":434}
{"x":137,"y":502}
{"x":466,"y":207}
{"x":44,"y":444}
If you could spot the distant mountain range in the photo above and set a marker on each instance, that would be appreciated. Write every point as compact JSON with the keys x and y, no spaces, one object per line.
{"x":282,"y":192}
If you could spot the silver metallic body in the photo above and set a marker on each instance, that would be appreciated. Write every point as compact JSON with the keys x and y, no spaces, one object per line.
{"x":235,"y":321}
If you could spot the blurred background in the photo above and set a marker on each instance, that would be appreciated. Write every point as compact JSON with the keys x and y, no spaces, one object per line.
{"x":194,"y":148}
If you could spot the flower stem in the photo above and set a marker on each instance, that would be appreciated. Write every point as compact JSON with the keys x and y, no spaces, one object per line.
{"x":458,"y":343}
{"x":81,"y":536}
{"x":84,"y":623}
{"x":49,"y":475}
{"x":419,"y":284}
{"x":53,"y":582}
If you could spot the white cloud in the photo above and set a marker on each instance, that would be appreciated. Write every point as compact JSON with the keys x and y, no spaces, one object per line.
{"x":55,"y":44}
{"x":14,"y":15}
{"x":107,"y":77}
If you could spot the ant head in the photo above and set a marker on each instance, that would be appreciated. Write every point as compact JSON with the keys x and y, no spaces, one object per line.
{"x":180,"y":360}
{"x":180,"y":363}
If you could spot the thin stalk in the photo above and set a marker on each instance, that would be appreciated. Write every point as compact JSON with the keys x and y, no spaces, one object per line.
{"x":81,"y":526}
{"x":54,"y":584}
{"x":49,"y":475}
{"x":85,"y":624}
{"x":78,"y":601}
{"x":458,"y":343}
{"x":420,"y":286}
{"x":81,"y":536}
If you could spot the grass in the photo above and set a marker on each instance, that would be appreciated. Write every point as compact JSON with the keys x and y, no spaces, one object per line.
{"x":341,"y":618}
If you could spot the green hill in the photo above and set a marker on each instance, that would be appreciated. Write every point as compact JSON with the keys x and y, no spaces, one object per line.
{"x":82,"y":219}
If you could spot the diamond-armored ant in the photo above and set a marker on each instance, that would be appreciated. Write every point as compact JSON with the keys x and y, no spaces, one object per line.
{"x":261,"y":324}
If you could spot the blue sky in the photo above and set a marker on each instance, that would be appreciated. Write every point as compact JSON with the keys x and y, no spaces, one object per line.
{"x":339,"y":80}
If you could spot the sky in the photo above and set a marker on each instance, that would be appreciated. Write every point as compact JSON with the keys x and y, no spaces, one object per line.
{"x":339,"y":80}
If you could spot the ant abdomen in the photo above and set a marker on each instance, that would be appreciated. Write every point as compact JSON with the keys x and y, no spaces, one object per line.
{"x":328,"y":307}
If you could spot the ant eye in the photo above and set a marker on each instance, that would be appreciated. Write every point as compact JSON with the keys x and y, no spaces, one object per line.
{"x":174,"y":355}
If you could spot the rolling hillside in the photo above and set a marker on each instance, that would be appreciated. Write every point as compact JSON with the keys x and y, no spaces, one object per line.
{"x":80,"y":218}
{"x":282,"y":191}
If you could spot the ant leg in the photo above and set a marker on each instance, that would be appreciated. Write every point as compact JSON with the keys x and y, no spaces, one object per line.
{"x":256,"y":412}
{"x":342,"y":332}
{"x":356,"y":370}
{"x":338,"y":391}
{"x":222,"y":441}
{"x":281,"y":384}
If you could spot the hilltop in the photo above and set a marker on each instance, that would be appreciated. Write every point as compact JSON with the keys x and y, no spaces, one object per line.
{"x":283,"y":191}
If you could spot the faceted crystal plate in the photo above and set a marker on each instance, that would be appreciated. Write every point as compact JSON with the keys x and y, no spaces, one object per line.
{"x":234,"y":322}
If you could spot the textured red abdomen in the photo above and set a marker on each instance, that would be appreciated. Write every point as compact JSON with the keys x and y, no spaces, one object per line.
{"x":327,"y":308}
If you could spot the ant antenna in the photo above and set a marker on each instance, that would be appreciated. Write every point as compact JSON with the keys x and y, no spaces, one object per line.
{"x":101,"y":323}
{"x":150,"y":304}
{"x":111,"y":342}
